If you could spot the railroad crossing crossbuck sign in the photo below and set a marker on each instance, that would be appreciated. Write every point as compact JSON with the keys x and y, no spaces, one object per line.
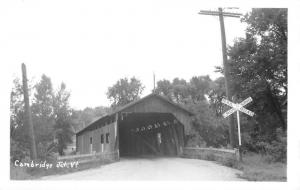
{"x":237,"y":108}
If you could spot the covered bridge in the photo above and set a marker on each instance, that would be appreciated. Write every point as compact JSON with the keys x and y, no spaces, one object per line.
{"x":152,"y":125}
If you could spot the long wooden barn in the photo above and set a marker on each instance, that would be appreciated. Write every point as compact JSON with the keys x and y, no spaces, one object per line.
{"x":152,"y":125}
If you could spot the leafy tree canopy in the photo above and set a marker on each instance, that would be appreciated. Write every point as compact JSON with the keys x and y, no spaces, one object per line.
{"x":125,"y":91}
{"x":259,"y":66}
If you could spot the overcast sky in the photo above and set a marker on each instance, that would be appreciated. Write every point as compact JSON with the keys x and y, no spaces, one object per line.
{"x":89,"y":45}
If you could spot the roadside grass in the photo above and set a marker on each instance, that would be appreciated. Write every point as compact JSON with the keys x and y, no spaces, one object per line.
{"x":255,"y":167}
{"x":18,"y":173}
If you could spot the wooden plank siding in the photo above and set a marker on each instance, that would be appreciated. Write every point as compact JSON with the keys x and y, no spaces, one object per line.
{"x":84,"y":140}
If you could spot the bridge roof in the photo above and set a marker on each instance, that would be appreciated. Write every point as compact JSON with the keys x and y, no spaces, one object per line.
{"x":111,"y":116}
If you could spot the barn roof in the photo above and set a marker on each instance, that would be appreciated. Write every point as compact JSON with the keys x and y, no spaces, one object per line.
{"x":107,"y":116}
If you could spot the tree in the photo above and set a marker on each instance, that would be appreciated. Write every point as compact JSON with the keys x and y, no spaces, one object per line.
{"x":19,"y":139}
{"x":216,"y":94}
{"x":180,"y":90}
{"x":259,"y":63}
{"x":259,"y":70}
{"x":208,"y":129}
{"x":16,"y":107}
{"x":200,"y":87}
{"x":43,"y":97}
{"x":176,"y":91}
{"x":164,"y":87}
{"x":81,"y":118}
{"x":212,"y":130}
{"x":51,"y":118}
{"x":125,"y":91}
{"x":63,"y":130}
{"x":42,"y":112}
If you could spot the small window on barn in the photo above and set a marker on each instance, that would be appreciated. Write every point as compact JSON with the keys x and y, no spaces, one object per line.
{"x":107,"y":137}
{"x":102,"y":138}
{"x":91,"y":140}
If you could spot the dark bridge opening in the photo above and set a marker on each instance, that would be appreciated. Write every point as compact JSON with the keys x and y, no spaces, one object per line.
{"x":155,"y":134}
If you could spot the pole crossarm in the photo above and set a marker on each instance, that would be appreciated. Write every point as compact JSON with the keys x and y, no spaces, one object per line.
{"x":217,"y":13}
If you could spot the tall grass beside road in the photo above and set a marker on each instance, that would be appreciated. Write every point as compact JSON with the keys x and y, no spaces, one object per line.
{"x":256,"y":167}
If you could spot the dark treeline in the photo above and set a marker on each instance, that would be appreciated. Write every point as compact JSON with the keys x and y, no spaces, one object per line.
{"x":54,"y":121}
{"x":199,"y":94}
{"x":50,"y":115}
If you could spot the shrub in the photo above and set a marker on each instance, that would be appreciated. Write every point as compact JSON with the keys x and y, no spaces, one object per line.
{"x":195,"y":140}
{"x":17,"y":152}
{"x":275,"y":151}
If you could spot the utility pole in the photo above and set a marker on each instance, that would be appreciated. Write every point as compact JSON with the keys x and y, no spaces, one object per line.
{"x":229,"y":94}
{"x":29,"y":124}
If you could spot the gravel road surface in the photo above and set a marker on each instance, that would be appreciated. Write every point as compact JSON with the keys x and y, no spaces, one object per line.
{"x":155,"y":169}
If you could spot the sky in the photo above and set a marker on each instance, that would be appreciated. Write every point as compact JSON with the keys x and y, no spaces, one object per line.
{"x":89,"y":45}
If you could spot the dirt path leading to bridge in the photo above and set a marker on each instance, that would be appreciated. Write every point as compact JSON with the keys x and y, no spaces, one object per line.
{"x":155,"y":169}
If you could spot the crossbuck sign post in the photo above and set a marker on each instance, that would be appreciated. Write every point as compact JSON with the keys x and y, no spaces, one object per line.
{"x":238,"y":108}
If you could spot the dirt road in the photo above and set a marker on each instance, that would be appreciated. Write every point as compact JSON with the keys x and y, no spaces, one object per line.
{"x":155,"y":169}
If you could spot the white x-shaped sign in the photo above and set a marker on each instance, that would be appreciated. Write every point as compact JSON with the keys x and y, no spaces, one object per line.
{"x":237,"y":107}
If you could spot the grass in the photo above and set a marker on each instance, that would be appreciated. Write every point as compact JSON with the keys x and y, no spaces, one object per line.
{"x":256,"y":168}
{"x":18,"y":173}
